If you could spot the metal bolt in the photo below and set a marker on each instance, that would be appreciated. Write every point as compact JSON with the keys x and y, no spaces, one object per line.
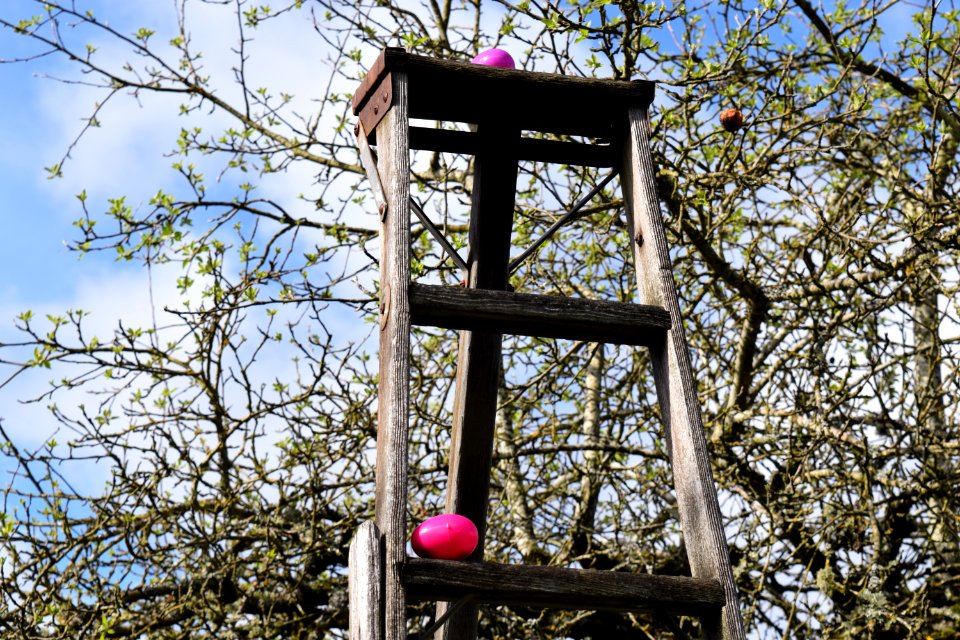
{"x":638,"y":239}
{"x":376,"y":109}
{"x":356,"y":129}
{"x":386,"y":96}
{"x":383,"y":210}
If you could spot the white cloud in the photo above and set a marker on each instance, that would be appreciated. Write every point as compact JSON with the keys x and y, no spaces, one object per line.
{"x":125,"y":156}
{"x":108,"y":296}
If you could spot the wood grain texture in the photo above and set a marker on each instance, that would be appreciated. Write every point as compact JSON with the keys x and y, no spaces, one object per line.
{"x":700,"y":518}
{"x":366,"y":592}
{"x":394,"y":390}
{"x":478,"y":360}
{"x":456,"y":90}
{"x":537,"y":315}
{"x":444,"y":90}
{"x":557,"y":587}
{"x":369,"y":164}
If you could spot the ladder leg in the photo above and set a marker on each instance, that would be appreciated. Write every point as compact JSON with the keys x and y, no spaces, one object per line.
{"x":700,"y":518}
{"x":381,"y":575}
{"x":394,"y":392}
{"x":479,"y":361}
{"x":366,"y":588}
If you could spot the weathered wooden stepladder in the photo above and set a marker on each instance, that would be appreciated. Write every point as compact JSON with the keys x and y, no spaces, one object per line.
{"x":398,"y":88}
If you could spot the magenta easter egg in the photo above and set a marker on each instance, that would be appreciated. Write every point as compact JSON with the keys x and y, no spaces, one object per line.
{"x":445,"y":537}
{"x":495,"y":58}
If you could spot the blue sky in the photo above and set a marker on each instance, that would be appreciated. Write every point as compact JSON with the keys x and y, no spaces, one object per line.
{"x":40,"y":118}
{"x":31,"y":250}
{"x":126,"y":156}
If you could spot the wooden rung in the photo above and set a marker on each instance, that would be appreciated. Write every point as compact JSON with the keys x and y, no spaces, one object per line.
{"x":535,"y":315}
{"x":579,"y":154}
{"x":559,"y":588}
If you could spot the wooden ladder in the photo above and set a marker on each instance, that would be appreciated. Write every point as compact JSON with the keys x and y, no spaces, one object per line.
{"x":502,"y":103}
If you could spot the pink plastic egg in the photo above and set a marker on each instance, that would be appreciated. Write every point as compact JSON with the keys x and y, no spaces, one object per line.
{"x":445,"y":537}
{"x":495,"y":58}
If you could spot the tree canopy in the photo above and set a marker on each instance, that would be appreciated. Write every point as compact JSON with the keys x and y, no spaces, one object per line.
{"x":816,"y":252}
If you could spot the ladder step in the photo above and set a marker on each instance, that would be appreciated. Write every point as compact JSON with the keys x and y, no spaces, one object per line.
{"x":559,"y":588}
{"x":535,"y":315}
{"x":579,"y":154}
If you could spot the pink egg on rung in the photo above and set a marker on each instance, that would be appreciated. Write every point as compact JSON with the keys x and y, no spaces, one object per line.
{"x":495,"y":58}
{"x":445,"y":537}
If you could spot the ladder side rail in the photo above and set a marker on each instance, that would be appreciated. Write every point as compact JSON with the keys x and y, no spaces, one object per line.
{"x":479,"y":359}
{"x":366,"y":585}
{"x":394,"y":389}
{"x":700,"y":518}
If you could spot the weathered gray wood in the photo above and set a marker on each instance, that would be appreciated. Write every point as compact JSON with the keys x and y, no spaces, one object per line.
{"x":394,"y":391}
{"x":459,"y":91}
{"x":503,"y":102}
{"x":579,"y":154}
{"x":700,"y":518}
{"x":478,"y":360}
{"x":535,"y":315}
{"x":366,"y":591}
{"x":557,"y":587}
{"x":370,"y":168}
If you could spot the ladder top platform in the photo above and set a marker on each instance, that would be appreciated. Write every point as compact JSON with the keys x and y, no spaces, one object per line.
{"x":452,"y":90}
